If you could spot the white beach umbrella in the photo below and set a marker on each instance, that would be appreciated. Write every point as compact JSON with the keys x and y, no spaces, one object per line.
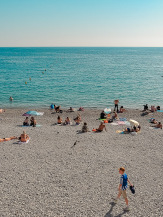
{"x":107,"y":110}
{"x":134,"y":123}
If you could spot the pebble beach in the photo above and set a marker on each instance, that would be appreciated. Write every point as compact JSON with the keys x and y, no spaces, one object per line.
{"x":50,"y":176}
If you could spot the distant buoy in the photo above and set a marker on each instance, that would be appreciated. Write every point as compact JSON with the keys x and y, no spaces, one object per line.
{"x":25,"y":82}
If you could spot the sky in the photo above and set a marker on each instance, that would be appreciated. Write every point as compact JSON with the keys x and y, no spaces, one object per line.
{"x":81,"y":23}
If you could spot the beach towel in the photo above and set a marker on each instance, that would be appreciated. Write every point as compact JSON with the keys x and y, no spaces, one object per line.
{"x":159,"y":110}
{"x":120,"y":122}
{"x":37,"y":125}
{"x":123,"y":119}
{"x":133,"y":133}
{"x":115,"y":124}
{"x":23,"y":142}
{"x":119,"y":131}
{"x":154,"y":128}
{"x":102,"y":119}
{"x":127,"y":123}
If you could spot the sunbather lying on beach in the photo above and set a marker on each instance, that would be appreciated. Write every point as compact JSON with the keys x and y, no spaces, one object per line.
{"x":24,"y":137}
{"x":127,"y":130}
{"x":8,"y":139}
{"x":159,"y":125}
{"x":26,"y":122}
{"x":59,"y":120}
{"x":70,"y":109}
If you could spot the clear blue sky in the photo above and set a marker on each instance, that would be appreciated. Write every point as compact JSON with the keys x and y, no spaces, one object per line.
{"x":81,"y":23}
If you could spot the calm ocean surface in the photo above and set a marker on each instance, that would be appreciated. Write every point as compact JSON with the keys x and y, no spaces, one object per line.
{"x":88,"y":77}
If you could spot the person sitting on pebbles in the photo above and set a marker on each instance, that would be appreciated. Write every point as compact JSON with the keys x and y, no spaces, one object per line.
{"x":77,"y":120}
{"x":59,"y":120}
{"x":115,"y":116}
{"x":67,"y":121}
{"x":26,"y":122}
{"x":122,"y":109}
{"x":58,"y":109}
{"x":33,"y":122}
{"x":85,"y":128}
{"x":101,"y":127}
{"x":102,"y":115}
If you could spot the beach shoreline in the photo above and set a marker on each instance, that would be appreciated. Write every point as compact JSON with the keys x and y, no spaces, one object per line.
{"x":51,"y":177}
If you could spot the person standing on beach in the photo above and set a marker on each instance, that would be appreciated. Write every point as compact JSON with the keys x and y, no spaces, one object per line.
{"x":123,"y":187}
{"x":116,"y":104}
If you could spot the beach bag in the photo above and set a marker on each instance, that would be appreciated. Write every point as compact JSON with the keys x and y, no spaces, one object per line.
{"x":132,"y":189}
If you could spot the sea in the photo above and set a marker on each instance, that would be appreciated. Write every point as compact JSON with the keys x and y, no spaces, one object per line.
{"x":91,"y":77}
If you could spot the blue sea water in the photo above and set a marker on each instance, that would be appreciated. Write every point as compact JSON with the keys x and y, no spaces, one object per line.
{"x":88,"y":77}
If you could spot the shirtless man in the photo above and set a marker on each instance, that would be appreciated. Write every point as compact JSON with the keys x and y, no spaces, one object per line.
{"x":101,"y":127}
{"x":116,"y":104}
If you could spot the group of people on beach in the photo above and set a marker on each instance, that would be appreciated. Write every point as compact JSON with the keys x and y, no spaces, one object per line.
{"x":32,"y":122}
{"x":157,"y":124}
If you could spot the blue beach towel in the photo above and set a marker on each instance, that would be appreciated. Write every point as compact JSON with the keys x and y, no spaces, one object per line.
{"x":123,"y":119}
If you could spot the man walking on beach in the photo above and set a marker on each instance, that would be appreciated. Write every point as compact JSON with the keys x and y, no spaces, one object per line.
{"x":123,"y":186}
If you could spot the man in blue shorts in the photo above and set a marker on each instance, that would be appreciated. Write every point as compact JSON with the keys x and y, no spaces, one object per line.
{"x":123,"y":186}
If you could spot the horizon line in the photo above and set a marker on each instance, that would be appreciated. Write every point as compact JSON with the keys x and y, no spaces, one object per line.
{"x":81,"y":47}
